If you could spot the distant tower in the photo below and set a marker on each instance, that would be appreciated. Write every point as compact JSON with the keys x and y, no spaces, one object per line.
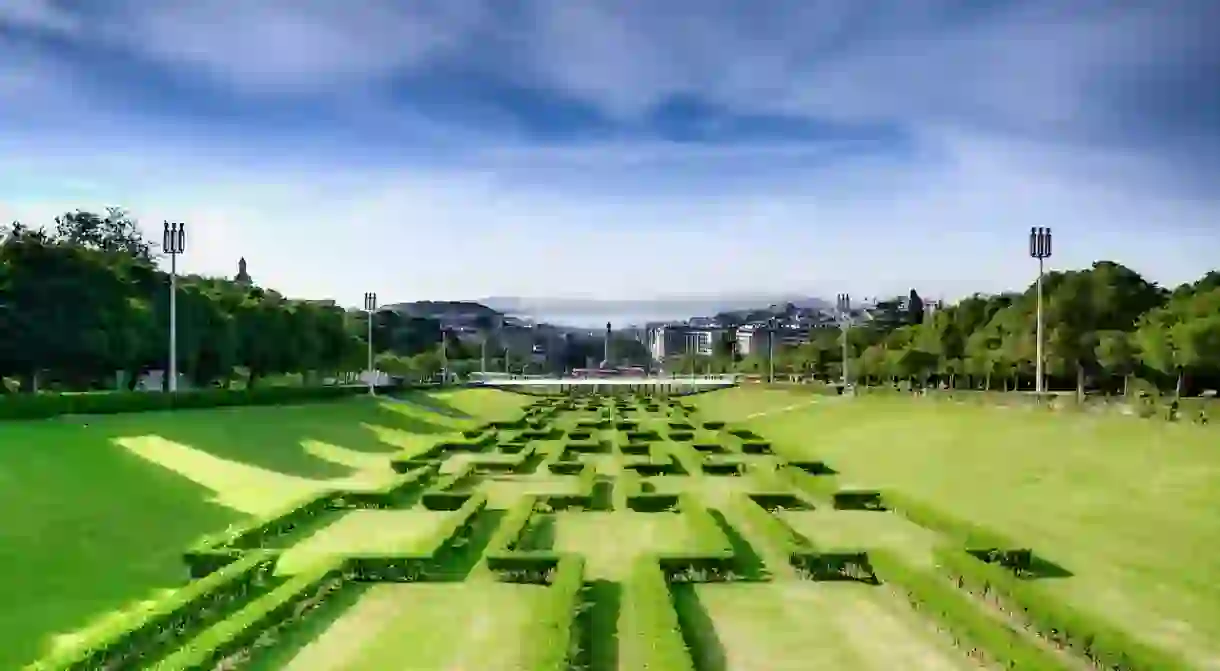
{"x":243,"y":277}
{"x":606,"y":354}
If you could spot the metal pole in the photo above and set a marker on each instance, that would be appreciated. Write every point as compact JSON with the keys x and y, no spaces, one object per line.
{"x":370,"y":306}
{"x":843,"y":303}
{"x":174,"y":242}
{"x":1040,"y":248}
{"x":173,"y":322}
{"x":771,"y":352}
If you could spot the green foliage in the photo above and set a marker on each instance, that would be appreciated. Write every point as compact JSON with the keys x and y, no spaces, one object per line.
{"x":650,"y":636}
{"x":556,"y":620}
{"x":972,"y":630}
{"x":172,"y":620}
{"x":277,"y":608}
{"x":1104,"y":324}
{"x":1105,"y":645}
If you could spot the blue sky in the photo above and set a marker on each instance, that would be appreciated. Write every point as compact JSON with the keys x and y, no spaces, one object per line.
{"x":458,"y":149}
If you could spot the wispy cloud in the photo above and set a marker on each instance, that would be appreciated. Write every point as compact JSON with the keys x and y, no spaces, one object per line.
{"x":462,"y":148}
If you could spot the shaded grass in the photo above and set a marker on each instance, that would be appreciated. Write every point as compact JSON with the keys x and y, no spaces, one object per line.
{"x":598,"y":624}
{"x":698,"y":630}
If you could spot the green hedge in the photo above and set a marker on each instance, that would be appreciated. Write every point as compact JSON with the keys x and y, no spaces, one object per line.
{"x":148,"y":632}
{"x":416,"y":562}
{"x":712,"y":557}
{"x":972,"y":629}
{"x":219,"y":549}
{"x":1106,"y":645}
{"x":277,"y":608}
{"x":650,"y":636}
{"x":391,"y":494}
{"x":557,"y":619}
{"x":962,"y":533}
{"x":44,"y":405}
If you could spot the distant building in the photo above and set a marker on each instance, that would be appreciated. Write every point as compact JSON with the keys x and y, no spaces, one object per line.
{"x":675,"y":340}
{"x":243,"y":277}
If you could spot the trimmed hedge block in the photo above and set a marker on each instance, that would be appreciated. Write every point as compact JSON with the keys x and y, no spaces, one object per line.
{"x":242,"y":630}
{"x":1105,"y":645}
{"x":652,"y":503}
{"x":721,"y":468}
{"x":973,"y":630}
{"x":219,"y":549}
{"x":45,"y":405}
{"x":859,"y":499}
{"x":642,"y":436}
{"x":649,"y":632}
{"x":681,"y":436}
{"x":756,"y":447}
{"x":713,"y":426}
{"x":635,"y":448}
{"x":148,"y":632}
{"x":417,"y":562}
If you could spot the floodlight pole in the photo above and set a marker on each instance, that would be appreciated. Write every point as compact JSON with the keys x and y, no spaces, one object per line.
{"x":771,"y":351}
{"x":174,"y":242}
{"x":843,"y":307}
{"x":1040,"y":248}
{"x":370,"y":306}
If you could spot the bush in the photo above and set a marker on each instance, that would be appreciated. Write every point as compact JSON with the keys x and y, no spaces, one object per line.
{"x":972,"y":629}
{"x":390,"y":494}
{"x":145,"y":633}
{"x":279,"y":607}
{"x":219,"y":549}
{"x":418,"y":561}
{"x":558,"y":616}
{"x":45,"y":405}
{"x":964,"y":534}
{"x":1105,"y":645}
{"x":649,"y":631}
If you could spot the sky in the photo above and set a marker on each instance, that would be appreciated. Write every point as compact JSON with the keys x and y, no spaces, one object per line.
{"x":455,"y":149}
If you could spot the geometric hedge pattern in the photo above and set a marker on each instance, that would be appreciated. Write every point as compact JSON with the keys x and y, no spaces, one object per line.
{"x":606,"y":508}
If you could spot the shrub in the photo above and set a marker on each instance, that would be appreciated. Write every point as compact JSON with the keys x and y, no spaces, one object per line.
{"x":279,"y":607}
{"x":416,"y":562}
{"x":45,"y":405}
{"x":558,"y":616}
{"x":756,"y":447}
{"x":649,"y":630}
{"x":219,"y":549}
{"x":1105,"y":645}
{"x":148,"y":632}
{"x":964,"y":534}
{"x":972,"y":629}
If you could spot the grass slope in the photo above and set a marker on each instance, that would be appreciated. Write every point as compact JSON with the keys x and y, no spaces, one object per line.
{"x":1128,"y":505}
{"x":99,"y":509}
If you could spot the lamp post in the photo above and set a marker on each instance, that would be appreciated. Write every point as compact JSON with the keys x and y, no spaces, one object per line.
{"x":771,"y":351}
{"x":843,"y":307}
{"x":370,"y":306}
{"x":173,"y":241}
{"x":1040,"y":248}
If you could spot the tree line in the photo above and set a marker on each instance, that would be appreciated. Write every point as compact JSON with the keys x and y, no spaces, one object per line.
{"x":84,"y":298}
{"x":1107,"y":328}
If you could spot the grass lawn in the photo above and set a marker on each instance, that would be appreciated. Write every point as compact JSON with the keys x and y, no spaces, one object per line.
{"x":504,"y":492}
{"x":99,"y":508}
{"x":1130,"y":506}
{"x":795,"y":626}
{"x":387,"y":531}
{"x":486,"y":626}
{"x":609,"y":541}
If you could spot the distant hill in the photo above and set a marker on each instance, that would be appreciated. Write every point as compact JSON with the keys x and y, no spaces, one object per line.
{"x":436,"y":309}
{"x":678,"y":306}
